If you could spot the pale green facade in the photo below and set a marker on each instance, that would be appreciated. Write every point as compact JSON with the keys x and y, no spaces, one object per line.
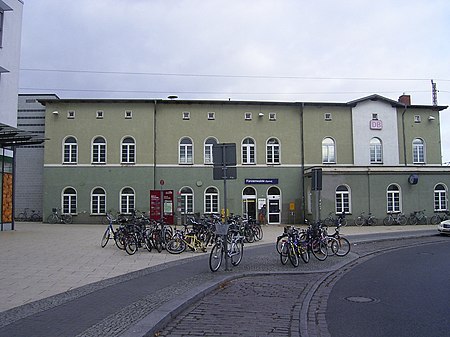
{"x":298,"y":130}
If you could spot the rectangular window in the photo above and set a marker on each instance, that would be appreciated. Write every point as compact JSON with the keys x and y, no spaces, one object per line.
{"x":248,"y":116}
{"x":375,"y":116}
{"x":69,"y":204}
{"x":440,"y":201}
{"x":98,"y":204}
{"x":186,"y":115}
{"x":393,"y":202}
{"x":211,"y":203}
{"x":99,"y":114}
{"x":417,"y":119}
{"x":272,"y":116}
{"x":99,"y":154}
{"x":128,"y":114}
{"x":70,"y":153}
{"x":70,"y":114}
{"x":327,"y":116}
{"x":211,"y":116}
{"x":342,"y":202}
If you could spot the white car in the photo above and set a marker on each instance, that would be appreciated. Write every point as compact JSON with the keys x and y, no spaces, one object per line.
{"x":444,"y":227}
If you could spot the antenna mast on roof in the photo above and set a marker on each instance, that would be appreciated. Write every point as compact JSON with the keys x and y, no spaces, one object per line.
{"x":434,"y":92}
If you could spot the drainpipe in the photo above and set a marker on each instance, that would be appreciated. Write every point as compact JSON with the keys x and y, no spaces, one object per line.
{"x":154,"y":146}
{"x":302,"y":158}
{"x":404,"y":136}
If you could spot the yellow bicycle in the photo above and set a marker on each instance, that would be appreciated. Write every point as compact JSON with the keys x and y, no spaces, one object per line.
{"x":183,"y":239}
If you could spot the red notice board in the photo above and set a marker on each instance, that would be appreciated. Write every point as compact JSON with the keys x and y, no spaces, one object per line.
{"x":161,"y":205}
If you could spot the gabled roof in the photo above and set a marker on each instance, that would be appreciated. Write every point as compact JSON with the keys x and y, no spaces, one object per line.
{"x":395,"y":104}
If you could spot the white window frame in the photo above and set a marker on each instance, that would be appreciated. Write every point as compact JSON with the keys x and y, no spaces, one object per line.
{"x":328,"y":116}
{"x":417,"y":119}
{"x":376,"y":151}
{"x":187,"y":200}
{"x":72,"y":151}
{"x":127,"y":200}
{"x":273,"y":151}
{"x":247,"y":116}
{"x":394,"y":199}
{"x":440,"y":198}
{"x":98,"y":155}
{"x":98,"y":201}
{"x":99,"y":114}
{"x":343,"y":200}
{"x":186,"y":115}
{"x":69,"y":201}
{"x":211,"y":115}
{"x":128,"y":151}
{"x":328,"y":151}
{"x":248,"y":152}
{"x":70,"y":114}
{"x":185,"y":152}
{"x":211,"y":200}
{"x":272,"y":116}
{"x":418,"y":147}
{"x":208,"y":150}
{"x":128,"y":114}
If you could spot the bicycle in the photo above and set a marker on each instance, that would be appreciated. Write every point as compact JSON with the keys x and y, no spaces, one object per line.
{"x":331,"y":220}
{"x":110,"y":232}
{"x":56,"y":217}
{"x":438,"y":218}
{"x":397,"y":218}
{"x":33,"y":217}
{"x":183,"y":239}
{"x":344,"y":244}
{"x":418,"y":217}
{"x":368,"y":220}
{"x":234,"y":251}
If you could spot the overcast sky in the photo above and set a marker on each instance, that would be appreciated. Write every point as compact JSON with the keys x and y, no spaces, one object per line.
{"x":283,"y":50}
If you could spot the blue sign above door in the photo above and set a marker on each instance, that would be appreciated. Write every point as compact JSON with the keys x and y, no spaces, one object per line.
{"x":261,"y":181}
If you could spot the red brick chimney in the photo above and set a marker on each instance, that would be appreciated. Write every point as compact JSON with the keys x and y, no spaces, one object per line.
{"x":405,"y":99}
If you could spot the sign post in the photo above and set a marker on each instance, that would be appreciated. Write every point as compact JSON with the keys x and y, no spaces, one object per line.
{"x":316,"y":187}
{"x":224,"y":158}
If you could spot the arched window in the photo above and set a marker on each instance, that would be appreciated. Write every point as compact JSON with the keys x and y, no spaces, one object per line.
{"x":328,"y":151}
{"x":70,"y":155}
{"x":418,"y":151}
{"x":343,"y":200}
{"x":376,"y":151}
{"x":127,"y":201}
{"x":393,"y":199}
{"x":187,"y":200}
{"x":98,"y":201}
{"x":273,"y":151}
{"x":69,"y":201}
{"x":440,"y":198}
{"x":128,"y":151}
{"x":186,"y":150}
{"x":248,"y":151}
{"x":99,"y":151}
{"x":211,"y":200}
{"x":208,"y":150}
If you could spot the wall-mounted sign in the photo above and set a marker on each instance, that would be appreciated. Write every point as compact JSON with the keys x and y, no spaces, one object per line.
{"x":261,"y":181}
{"x":376,"y":124}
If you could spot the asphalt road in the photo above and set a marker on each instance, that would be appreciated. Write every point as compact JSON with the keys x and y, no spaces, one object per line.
{"x":405,"y":292}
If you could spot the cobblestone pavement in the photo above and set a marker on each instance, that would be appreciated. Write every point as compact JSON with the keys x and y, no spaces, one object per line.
{"x":274,"y":305}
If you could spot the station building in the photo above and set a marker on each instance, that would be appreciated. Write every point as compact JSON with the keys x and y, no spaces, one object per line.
{"x":376,"y":155}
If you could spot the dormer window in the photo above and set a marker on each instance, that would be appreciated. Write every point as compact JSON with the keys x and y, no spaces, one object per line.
{"x":99,"y":114}
{"x":248,"y":116}
{"x":186,"y":115}
{"x":327,"y":116}
{"x":128,"y":114}
{"x":211,"y":116}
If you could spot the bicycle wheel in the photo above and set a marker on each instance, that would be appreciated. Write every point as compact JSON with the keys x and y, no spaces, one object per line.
{"x":131,"y":245}
{"x":67,"y":218}
{"x":372,"y":221}
{"x":423,"y":220}
{"x":52,"y":218}
{"x":303,"y":252}
{"x":258,"y":232}
{"x":35,"y":217}
{"x":293,"y":257}
{"x":106,"y":237}
{"x":119,"y":238}
{"x":280,"y":241}
{"x":176,"y":246}
{"x":319,"y":250}
{"x":344,"y":246}
{"x":216,"y":256}
{"x":435,"y":219}
{"x":402,"y":220}
{"x":332,"y":245}
{"x":359,"y":221}
{"x":284,"y":254}
{"x":21,"y":217}
{"x":388,"y":221}
{"x":328,"y":222}
{"x":237,"y":253}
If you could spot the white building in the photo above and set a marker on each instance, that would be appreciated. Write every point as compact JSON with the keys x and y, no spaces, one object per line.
{"x":10,"y":37}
